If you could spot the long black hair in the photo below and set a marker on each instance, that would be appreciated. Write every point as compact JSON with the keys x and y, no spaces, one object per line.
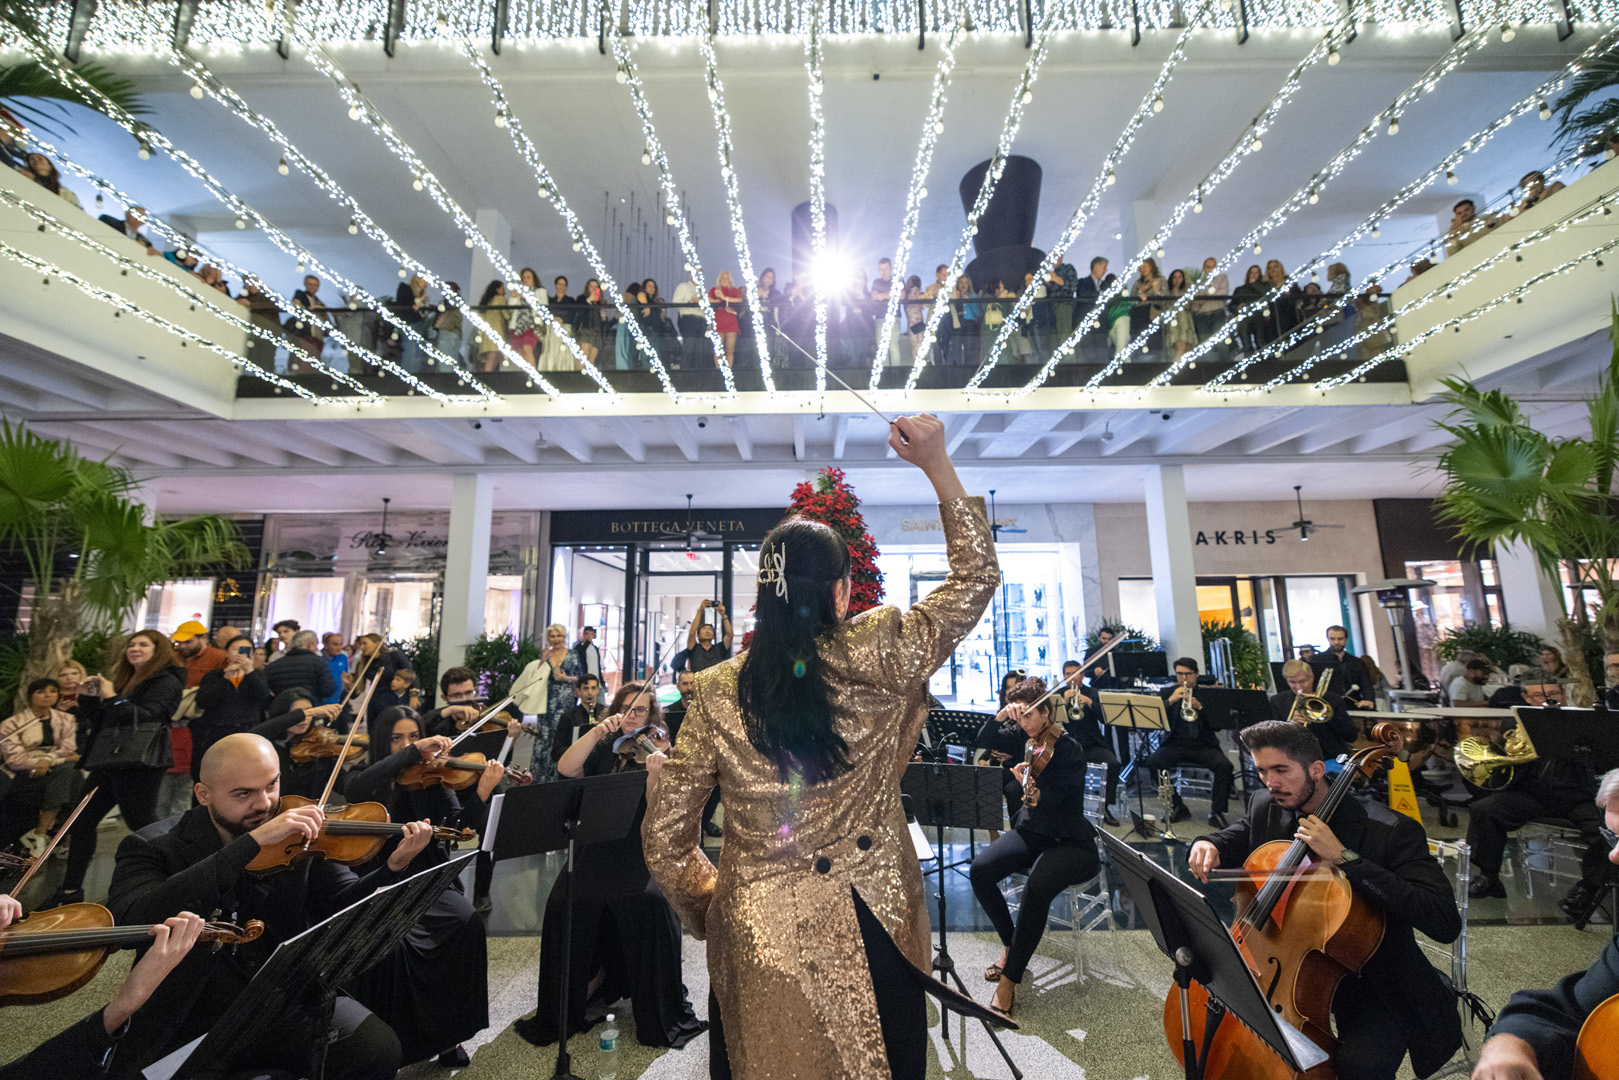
{"x":383,"y":730}
{"x":785,"y":706}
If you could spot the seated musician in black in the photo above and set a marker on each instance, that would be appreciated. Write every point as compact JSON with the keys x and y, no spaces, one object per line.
{"x":458,"y":691}
{"x":1191,"y":741}
{"x":1399,"y":1001}
{"x":1336,"y":732}
{"x":198,"y":862}
{"x":626,"y":937}
{"x":436,"y":984}
{"x":1534,"y":1035}
{"x":291,"y":714}
{"x":585,"y":714}
{"x":1547,"y":788}
{"x":86,"y":1051}
{"x":1051,"y":840}
{"x":1081,"y":717}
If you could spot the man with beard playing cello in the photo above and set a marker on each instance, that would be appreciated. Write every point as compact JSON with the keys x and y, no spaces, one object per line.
{"x":1399,"y":1002}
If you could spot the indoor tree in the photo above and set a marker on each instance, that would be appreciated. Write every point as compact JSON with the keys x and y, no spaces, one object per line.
{"x":1506,"y":482}
{"x":89,"y":551}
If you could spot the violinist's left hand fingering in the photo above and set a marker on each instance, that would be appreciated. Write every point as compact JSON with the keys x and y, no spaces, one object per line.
{"x":1322,"y":840}
{"x":10,"y":911}
{"x":418,"y":834}
{"x":492,"y":775}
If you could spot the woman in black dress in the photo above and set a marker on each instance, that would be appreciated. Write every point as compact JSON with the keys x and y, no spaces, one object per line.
{"x":290,"y":715}
{"x":434,"y":989}
{"x":626,"y":937}
{"x":1051,"y":839}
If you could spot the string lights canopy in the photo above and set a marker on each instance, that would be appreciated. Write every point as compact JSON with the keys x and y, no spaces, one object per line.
{"x":733,"y":202}
{"x":817,"y":182}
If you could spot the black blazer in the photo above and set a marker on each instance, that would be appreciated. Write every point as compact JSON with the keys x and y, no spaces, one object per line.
{"x":1549,"y":1020}
{"x":1334,"y":734}
{"x":236,"y":707}
{"x":1396,"y":871}
{"x":1197,"y":733}
{"x":1060,"y":814}
{"x":180,"y":864}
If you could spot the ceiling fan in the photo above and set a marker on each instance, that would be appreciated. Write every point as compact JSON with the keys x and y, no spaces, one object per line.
{"x":1306,"y":528}
{"x":996,"y":529}
{"x":691,"y":534}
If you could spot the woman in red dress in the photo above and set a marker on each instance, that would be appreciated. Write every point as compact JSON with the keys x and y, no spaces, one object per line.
{"x":727,"y":301}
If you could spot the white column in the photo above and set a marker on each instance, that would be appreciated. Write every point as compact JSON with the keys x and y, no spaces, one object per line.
{"x":1136,"y":230}
{"x":1529,"y":596}
{"x":495,"y":229}
{"x":466,"y":567}
{"x":1169,"y":541}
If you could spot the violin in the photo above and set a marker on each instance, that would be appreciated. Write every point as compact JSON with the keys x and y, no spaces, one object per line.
{"x":352,"y":835}
{"x":1301,"y":932}
{"x":1593,"y":1050}
{"x":52,"y":953}
{"x":641,"y":744}
{"x":321,"y":741}
{"x":454,"y":774}
{"x":1037,"y":755}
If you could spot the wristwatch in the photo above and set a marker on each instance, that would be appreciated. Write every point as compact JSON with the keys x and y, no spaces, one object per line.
{"x":1348,"y":857}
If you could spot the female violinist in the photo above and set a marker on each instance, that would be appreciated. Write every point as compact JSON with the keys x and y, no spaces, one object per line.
{"x":291,"y":714}
{"x":434,"y":989}
{"x":1050,"y":838}
{"x":145,"y":688}
{"x":626,"y":937}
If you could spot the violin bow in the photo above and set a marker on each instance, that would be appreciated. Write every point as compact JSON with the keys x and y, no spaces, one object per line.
{"x":39,"y":860}
{"x":1064,"y":684}
{"x":472,"y":728}
{"x":348,"y":741}
{"x":359,"y":677}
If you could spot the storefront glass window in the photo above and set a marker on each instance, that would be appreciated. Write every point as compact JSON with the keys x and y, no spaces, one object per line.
{"x":1452,"y":603}
{"x":1138,"y":605}
{"x":168,"y":605}
{"x":1313,"y":604}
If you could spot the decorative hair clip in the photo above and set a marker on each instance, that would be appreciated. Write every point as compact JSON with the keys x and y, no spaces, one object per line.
{"x":773,"y":570}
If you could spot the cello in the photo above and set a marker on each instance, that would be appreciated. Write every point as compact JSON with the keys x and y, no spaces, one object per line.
{"x":1301,"y":932}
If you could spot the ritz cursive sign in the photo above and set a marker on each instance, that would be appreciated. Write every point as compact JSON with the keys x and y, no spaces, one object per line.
{"x":374,"y":540}
{"x":1235,"y":537}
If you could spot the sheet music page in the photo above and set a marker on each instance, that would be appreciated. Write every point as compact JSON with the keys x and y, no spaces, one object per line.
{"x":165,"y":1067}
{"x":1305,"y":1051}
{"x":493,"y":823}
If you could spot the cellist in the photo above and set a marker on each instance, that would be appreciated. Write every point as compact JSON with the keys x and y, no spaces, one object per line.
{"x":1399,"y":1002}
{"x":1534,"y":1036}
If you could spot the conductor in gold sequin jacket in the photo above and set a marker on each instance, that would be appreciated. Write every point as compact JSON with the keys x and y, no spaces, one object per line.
{"x":815,"y":921}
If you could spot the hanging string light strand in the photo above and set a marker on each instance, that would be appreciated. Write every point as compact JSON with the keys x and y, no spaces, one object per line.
{"x":817,"y":178}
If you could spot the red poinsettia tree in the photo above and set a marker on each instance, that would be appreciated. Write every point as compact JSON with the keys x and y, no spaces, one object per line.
{"x":831,"y":501}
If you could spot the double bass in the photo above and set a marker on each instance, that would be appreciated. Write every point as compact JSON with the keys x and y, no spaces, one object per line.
{"x":1301,"y":932}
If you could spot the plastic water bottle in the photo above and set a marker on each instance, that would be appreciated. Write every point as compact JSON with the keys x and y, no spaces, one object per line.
{"x":609,"y":1050}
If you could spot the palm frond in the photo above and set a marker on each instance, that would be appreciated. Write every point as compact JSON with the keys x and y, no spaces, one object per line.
{"x":1593,"y":78}
{"x":26,"y":86}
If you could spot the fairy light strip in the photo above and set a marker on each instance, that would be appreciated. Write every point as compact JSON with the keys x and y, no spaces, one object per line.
{"x":817,"y":200}
{"x":630,"y":76}
{"x":1472,"y":145}
{"x":1151,"y":103}
{"x":1456,"y":322}
{"x":123,"y":306}
{"x":932,"y":128}
{"x":505,"y":117}
{"x":150,"y":272}
{"x":151,"y":138}
{"x":1601,"y":208}
{"x":1022,"y":95}
{"x":1309,"y":192}
{"x":161,"y":228}
{"x":733,"y":203}
{"x":362,"y":110}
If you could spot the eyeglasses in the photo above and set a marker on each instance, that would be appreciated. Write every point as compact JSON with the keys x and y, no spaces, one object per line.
{"x":639,"y":710}
{"x":1609,"y":837}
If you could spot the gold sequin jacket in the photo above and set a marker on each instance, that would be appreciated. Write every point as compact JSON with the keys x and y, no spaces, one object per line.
{"x":785,"y":954}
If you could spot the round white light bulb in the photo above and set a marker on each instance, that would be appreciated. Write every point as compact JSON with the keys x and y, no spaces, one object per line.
{"x":622,"y":76}
{"x":354,"y":227}
{"x":1333,"y":57}
{"x":1028,"y":96}
{"x":196,"y":91}
{"x":281,"y":167}
{"x":241,"y":223}
{"x":1158,"y":103}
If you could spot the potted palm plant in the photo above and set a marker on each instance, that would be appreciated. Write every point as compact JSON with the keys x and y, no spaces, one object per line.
{"x":32,"y":93}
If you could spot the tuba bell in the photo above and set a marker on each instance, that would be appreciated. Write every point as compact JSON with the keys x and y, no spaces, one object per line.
{"x":1315,"y":708}
{"x":1489,"y":769}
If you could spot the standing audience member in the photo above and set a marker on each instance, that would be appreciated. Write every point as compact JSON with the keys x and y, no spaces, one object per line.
{"x":1469,"y":688}
{"x":1535,"y":189}
{"x":964,"y":323}
{"x":130,"y":225}
{"x":42,"y":172}
{"x":190,"y":641}
{"x":337,"y":662}
{"x":1180,"y":334}
{"x":491,"y":307}
{"x":233,"y":698}
{"x":307,"y":331}
{"x":1088,"y":294}
{"x":689,"y":321}
{"x":726,"y":299}
{"x":448,"y":325}
{"x":1465,"y":227}
{"x":546,"y":690}
{"x":1246,"y":304}
{"x":300,"y":666}
{"x":522,"y":328}
{"x":1209,"y":315}
{"x":590,"y":655}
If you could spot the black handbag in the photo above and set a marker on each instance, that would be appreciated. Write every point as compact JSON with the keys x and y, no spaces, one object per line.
{"x":128,"y":743}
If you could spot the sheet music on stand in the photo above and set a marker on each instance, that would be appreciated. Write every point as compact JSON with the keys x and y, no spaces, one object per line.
{"x":300,"y":980}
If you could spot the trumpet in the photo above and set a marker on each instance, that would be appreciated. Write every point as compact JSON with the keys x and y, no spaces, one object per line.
{"x":1315,"y":706}
{"x":1489,"y":769}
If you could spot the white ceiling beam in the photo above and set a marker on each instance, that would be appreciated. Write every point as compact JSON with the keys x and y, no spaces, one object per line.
{"x":1350,"y":424}
{"x":135,"y":433}
{"x":957,"y":428}
{"x":628,"y":440}
{"x":840,"y":435}
{"x":1287,"y":425}
{"x":510,"y":438}
{"x":684,"y":435}
{"x":119,"y":451}
{"x":798,"y":438}
{"x":1020,"y":434}
{"x":1377,"y":436}
{"x":350,"y":437}
{"x":258,"y":444}
{"x":1132,"y":430}
{"x":566,"y":437}
{"x":433,"y":440}
{"x":743,"y":437}
{"x":1188,"y":433}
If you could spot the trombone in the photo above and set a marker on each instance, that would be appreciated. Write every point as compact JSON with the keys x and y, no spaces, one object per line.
{"x":1315,"y":707}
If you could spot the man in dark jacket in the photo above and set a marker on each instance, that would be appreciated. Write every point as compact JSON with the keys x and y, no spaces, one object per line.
{"x":1081,"y":717}
{"x":1399,"y":1002}
{"x":1191,"y":741}
{"x":1337,"y":731}
{"x":301,"y":666}
{"x":231,"y":699}
{"x":198,"y":862}
{"x":1534,"y":1036}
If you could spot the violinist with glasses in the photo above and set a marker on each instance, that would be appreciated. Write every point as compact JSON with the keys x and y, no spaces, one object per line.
{"x":626,"y":937}
{"x":1051,"y":839}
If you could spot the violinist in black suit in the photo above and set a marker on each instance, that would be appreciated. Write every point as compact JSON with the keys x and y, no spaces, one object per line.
{"x":198,"y":862}
{"x":1399,"y":1002}
{"x":1534,"y":1036}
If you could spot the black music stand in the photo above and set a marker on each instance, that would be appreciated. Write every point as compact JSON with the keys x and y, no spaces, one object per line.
{"x":957,"y":797}
{"x":1187,"y":929}
{"x":1227,"y":709}
{"x":1572,"y":734}
{"x":559,"y":816}
{"x":1136,"y":713}
{"x":300,"y":982}
{"x":1130,"y":666}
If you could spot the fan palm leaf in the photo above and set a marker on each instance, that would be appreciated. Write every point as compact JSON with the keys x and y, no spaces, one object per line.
{"x":1577,"y":127}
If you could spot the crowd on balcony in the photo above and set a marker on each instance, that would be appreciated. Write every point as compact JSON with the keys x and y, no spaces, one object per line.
{"x":1264,"y":305}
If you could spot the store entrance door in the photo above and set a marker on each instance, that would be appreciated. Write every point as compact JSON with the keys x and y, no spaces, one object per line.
{"x":672,"y":582}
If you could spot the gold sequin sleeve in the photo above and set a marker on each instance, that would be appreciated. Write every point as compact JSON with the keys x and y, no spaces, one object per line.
{"x":930,"y":631}
{"x":672,"y":831}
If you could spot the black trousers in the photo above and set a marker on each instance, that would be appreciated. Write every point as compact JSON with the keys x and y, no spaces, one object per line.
{"x":134,"y":791}
{"x":1200,"y":756}
{"x":901,"y":1006}
{"x":1052,"y":865}
{"x":1494,"y":817}
{"x":1370,"y":1042}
